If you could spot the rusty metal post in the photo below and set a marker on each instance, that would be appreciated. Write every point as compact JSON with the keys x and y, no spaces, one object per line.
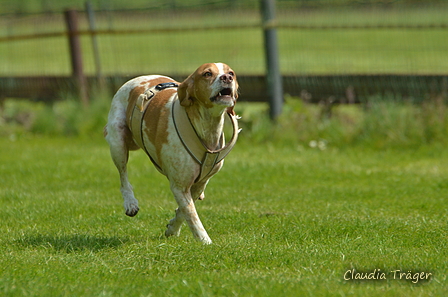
{"x":71,"y":20}
{"x":273,"y":75}
{"x":101,"y":83}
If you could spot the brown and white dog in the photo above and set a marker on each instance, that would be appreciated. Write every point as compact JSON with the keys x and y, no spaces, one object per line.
{"x":156,"y":114}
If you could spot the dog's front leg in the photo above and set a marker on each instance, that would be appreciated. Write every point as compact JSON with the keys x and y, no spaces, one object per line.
{"x":187,"y":212}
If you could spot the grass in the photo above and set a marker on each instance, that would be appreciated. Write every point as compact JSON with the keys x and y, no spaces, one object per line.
{"x":295,"y":207}
{"x":285,"y":221}
{"x":315,"y":197}
{"x":321,"y":51}
{"x":379,"y":123}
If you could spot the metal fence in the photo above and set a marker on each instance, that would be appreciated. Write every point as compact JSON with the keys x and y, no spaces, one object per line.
{"x":344,"y":50}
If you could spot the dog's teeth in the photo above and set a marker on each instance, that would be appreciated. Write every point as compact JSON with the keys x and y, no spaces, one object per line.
{"x":219,"y":94}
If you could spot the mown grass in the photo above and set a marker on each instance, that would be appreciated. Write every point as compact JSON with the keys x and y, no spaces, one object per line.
{"x":302,"y":51}
{"x":297,"y":205}
{"x":284,"y":220}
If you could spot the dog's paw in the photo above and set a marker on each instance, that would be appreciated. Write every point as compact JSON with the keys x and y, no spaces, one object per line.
{"x":132,"y":212}
{"x":205,"y":240}
{"x":172,"y":230}
{"x":169,"y":232}
{"x":131,"y":207}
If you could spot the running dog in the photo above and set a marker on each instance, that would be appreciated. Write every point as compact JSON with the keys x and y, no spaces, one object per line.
{"x":180,"y":127}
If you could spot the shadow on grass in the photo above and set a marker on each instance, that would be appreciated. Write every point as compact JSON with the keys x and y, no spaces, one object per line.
{"x":72,"y":243}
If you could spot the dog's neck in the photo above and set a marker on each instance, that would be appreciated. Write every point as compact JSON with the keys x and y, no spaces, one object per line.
{"x":208,"y":123}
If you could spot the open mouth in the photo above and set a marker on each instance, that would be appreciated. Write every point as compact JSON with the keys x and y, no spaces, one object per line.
{"x":224,"y":94}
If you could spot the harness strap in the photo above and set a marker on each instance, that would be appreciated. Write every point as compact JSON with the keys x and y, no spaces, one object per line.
{"x":138,"y":113}
{"x":207,"y":158}
{"x":166,"y":85}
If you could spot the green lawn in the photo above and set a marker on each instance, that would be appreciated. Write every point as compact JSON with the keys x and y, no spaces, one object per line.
{"x":302,"y":51}
{"x":285,"y":221}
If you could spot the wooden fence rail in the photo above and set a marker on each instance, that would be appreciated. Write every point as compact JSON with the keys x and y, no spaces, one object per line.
{"x":312,"y":88}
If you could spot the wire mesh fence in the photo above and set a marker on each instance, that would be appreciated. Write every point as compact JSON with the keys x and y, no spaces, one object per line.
{"x":326,"y":47}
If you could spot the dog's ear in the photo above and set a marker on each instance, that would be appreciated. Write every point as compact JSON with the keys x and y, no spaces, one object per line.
{"x":235,"y":95}
{"x":237,"y":86}
{"x":185,"y":92}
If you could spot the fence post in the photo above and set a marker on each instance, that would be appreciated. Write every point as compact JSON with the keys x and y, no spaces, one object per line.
{"x":96,"y":53}
{"x":71,"y":20}
{"x":274,"y":79}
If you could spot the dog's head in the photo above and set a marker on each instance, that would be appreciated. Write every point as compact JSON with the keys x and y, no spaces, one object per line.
{"x":210,"y":85}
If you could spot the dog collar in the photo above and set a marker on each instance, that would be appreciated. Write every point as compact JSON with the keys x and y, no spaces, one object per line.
{"x":207,"y":158}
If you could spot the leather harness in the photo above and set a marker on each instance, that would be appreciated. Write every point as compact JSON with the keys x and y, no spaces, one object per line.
{"x":206,"y":158}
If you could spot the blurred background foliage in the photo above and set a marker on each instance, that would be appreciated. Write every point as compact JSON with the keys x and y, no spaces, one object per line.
{"x":316,"y":37}
{"x":48,"y":6}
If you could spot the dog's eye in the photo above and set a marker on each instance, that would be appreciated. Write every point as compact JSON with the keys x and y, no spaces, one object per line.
{"x":207,"y":74}
{"x":231,"y":73}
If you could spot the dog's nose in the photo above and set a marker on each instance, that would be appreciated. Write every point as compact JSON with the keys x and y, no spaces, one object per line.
{"x":226,"y":78}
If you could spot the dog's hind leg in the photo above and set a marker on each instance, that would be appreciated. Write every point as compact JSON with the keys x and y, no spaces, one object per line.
{"x":116,"y":136}
{"x":175,"y":224}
